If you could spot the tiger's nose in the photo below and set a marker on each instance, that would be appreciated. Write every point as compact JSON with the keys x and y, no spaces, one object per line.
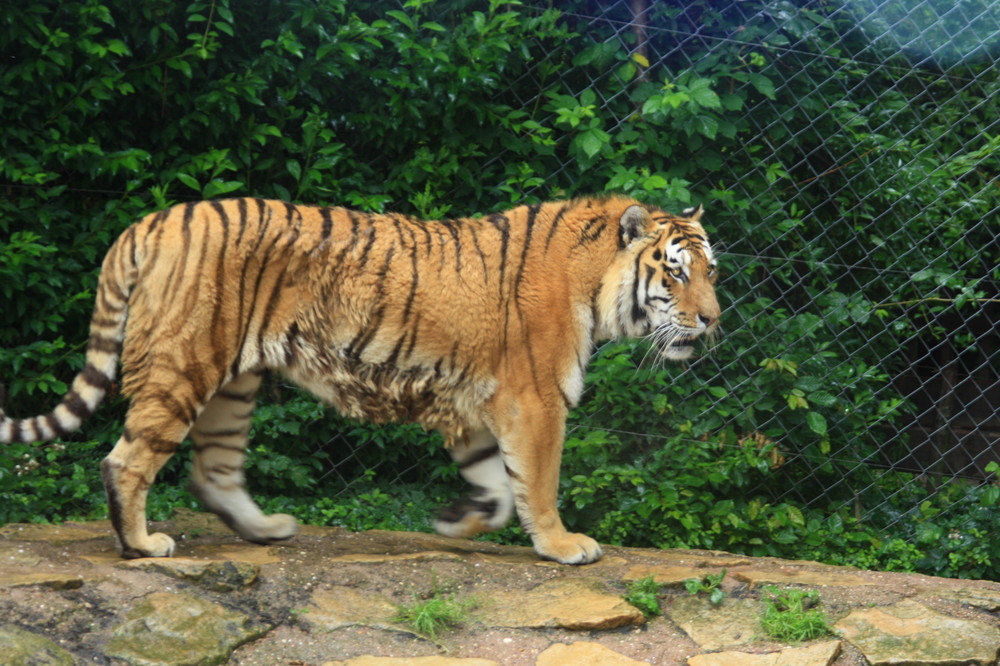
{"x":707,"y":321}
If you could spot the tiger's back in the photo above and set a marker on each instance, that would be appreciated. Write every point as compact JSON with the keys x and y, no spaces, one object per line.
{"x":481,"y":328}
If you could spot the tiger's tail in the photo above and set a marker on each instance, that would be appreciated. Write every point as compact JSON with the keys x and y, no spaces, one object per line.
{"x":107,"y":330}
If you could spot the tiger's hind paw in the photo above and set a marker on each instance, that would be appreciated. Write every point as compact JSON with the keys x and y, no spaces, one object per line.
{"x":270,"y":529}
{"x":468,"y":516}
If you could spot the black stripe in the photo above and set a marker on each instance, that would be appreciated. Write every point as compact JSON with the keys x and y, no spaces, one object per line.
{"x":205,"y":446}
{"x":55,"y":426}
{"x":273,"y":297}
{"x":363,"y":259}
{"x":290,"y":211}
{"x":241,"y":209}
{"x":415,"y":278}
{"x":555,"y":224}
{"x":394,"y":355}
{"x":413,"y":336}
{"x":452,"y":228}
{"x":589,"y":233}
{"x":225,"y":432}
{"x":365,"y":335}
{"x":243,"y":322}
{"x":75,"y":405}
{"x":501,"y":224}
{"x":479,"y":456}
{"x":482,"y":255}
{"x":182,"y":409}
{"x":101,"y":343}
{"x":637,"y":312}
{"x":95,"y":378}
{"x":223,"y":468}
{"x":103,"y":322}
{"x":529,"y":228}
{"x":510,"y":472}
{"x":160,"y":444}
{"x":16,"y":431}
{"x":327,"y":223}
{"x":218,"y":332}
{"x":290,"y":341}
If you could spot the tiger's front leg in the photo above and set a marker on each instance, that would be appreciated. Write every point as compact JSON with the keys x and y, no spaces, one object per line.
{"x":530,"y":435}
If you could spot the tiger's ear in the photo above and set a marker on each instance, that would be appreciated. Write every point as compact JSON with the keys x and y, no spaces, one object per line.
{"x":633,"y":223}
{"x":694,"y":214}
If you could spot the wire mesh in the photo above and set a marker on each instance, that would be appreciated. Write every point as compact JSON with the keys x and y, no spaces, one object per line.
{"x":878,"y":113}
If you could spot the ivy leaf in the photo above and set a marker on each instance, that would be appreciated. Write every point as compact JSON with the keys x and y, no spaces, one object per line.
{"x":591,"y":141}
{"x":817,"y":423}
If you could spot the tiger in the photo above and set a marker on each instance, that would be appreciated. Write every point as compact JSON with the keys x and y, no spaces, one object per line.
{"x":481,"y":328}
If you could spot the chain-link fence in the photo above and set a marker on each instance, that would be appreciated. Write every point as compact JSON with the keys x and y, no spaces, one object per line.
{"x":869,"y":218}
{"x":879,"y":132}
{"x":846,"y":153}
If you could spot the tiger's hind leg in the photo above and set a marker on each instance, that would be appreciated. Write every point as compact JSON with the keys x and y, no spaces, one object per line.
{"x":490,"y":504}
{"x":155,"y":426}
{"x":220,"y":442}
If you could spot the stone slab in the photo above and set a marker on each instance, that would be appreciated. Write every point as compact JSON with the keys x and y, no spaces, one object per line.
{"x":168,"y":629}
{"x":53,"y":581}
{"x":19,"y":556}
{"x":21,"y":647}
{"x":754,"y":577}
{"x":375,"y":558}
{"x":217,"y":575}
{"x":735,"y":622}
{"x":671,"y":576}
{"x":988,"y":600}
{"x":911,"y":633}
{"x":343,"y":606}
{"x":369,"y":660}
{"x":818,"y":654}
{"x":584,"y":652}
{"x":571,"y":603}
{"x":50,"y":533}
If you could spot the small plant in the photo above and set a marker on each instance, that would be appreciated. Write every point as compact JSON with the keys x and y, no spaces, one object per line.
{"x":430,"y":617}
{"x":709,"y":584}
{"x":789,"y":615}
{"x":642,"y":594}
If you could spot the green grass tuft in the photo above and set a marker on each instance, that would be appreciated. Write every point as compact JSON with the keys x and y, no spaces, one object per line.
{"x":432,"y":616}
{"x":789,"y":615}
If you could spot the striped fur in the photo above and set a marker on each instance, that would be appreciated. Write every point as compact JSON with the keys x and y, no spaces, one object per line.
{"x":480,"y":328}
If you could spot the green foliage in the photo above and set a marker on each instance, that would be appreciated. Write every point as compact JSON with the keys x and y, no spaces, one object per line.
{"x":438,"y":109}
{"x":789,"y":615}
{"x":644,"y":595}
{"x":709,"y":584}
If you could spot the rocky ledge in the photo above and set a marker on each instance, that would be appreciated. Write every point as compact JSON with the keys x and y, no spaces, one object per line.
{"x":332,"y":597}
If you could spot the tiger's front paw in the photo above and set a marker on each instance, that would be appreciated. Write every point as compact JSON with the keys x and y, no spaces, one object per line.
{"x":156,"y":544}
{"x":568,"y":548}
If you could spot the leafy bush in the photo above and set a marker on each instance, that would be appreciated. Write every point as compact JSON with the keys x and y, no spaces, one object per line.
{"x":764,"y":446}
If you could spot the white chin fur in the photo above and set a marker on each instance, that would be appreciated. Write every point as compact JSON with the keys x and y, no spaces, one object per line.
{"x":678,"y":353}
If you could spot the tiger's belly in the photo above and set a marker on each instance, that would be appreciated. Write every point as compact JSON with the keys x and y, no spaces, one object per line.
{"x":450,"y":402}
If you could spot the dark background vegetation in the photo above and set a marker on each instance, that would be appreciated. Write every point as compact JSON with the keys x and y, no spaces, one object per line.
{"x":846,"y":155}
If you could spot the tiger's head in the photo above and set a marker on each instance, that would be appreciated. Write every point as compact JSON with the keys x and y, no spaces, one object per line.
{"x":667,"y":290}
